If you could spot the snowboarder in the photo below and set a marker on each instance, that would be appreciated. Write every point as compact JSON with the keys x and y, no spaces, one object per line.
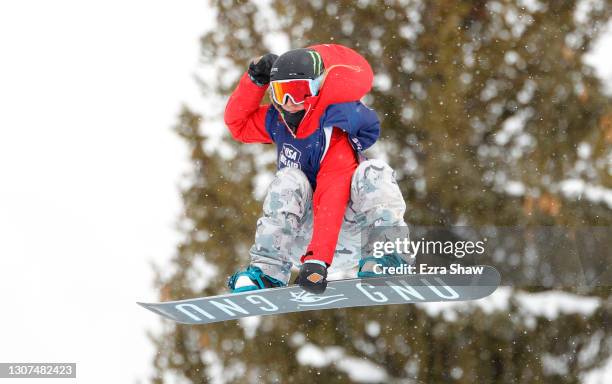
{"x":325,"y":195}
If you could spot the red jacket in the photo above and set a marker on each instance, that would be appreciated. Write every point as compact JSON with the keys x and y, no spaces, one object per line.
{"x":348,"y":78}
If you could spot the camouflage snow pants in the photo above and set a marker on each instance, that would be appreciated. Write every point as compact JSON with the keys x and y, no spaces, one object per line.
{"x":285,"y":229}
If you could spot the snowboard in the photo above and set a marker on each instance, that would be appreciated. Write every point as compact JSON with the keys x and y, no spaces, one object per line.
{"x":359,"y":292}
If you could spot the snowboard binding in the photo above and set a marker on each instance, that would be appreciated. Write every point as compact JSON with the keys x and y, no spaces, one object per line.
{"x":389,"y":260}
{"x":258,"y":280}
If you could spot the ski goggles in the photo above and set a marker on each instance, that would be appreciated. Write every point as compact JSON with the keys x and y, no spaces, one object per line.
{"x":296,"y":90}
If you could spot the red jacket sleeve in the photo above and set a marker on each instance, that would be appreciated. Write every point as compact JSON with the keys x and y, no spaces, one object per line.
{"x":331,"y":197}
{"x":244,"y":117}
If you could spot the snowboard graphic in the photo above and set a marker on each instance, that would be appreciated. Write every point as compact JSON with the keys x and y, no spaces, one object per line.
{"x":383,"y":290}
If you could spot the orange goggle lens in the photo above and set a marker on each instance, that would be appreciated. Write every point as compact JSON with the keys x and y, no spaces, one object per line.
{"x":296,"y":90}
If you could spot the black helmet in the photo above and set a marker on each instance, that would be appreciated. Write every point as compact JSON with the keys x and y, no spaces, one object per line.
{"x":299,"y":63}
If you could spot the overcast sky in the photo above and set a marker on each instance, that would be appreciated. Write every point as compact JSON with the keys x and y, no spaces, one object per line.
{"x":89,"y":169}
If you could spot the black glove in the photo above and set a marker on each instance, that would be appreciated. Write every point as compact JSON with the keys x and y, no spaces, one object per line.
{"x":312,"y":277}
{"x":259,"y":69}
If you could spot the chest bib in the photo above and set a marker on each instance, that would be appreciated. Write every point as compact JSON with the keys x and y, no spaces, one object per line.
{"x":304,"y":154}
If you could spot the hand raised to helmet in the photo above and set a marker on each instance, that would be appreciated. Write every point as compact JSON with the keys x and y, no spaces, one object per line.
{"x":259,"y":69}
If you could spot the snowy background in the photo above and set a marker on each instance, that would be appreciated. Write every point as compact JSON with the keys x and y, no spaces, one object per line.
{"x":83,"y":213}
